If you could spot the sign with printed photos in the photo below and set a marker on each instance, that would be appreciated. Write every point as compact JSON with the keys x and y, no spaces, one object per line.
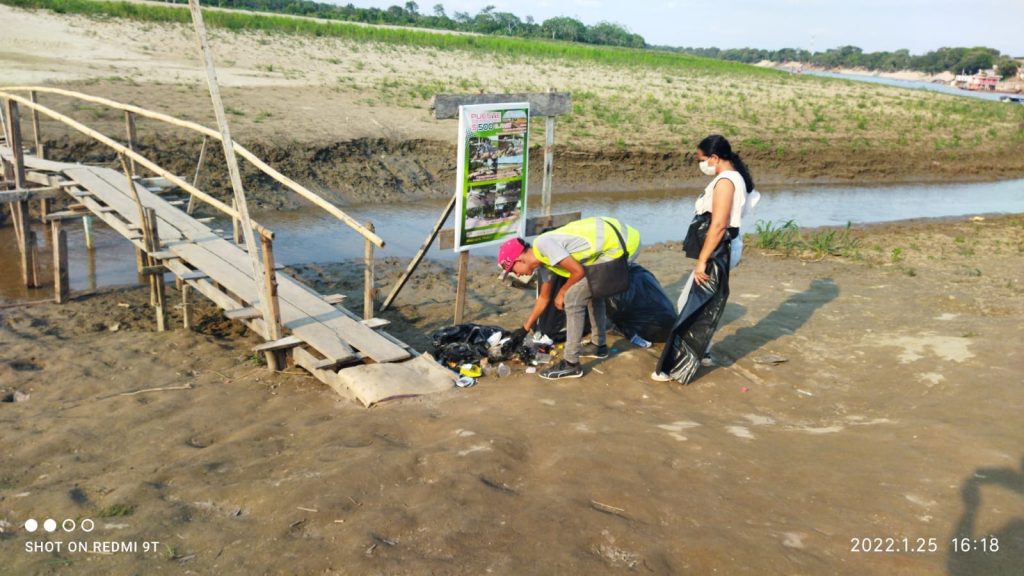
{"x":490,"y":204}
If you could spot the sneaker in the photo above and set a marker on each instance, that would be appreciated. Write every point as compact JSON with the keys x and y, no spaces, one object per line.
{"x":660,"y":377}
{"x":590,"y":350}
{"x":564,"y":369}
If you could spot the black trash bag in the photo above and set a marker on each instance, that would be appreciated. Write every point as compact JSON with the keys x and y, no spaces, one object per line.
{"x":455,"y":354}
{"x":467,"y":343}
{"x":644,"y":309}
{"x":468,"y":333}
{"x":552,"y":320}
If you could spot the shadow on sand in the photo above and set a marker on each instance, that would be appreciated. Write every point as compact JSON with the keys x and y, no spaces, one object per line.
{"x":996,"y":554}
{"x":784,"y":320}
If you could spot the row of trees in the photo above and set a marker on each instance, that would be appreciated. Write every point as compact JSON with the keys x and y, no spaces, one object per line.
{"x":491,"y":21}
{"x":956,"y":60}
{"x":487,"y":21}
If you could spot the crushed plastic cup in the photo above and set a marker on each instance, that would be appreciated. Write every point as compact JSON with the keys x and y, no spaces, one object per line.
{"x":542,"y":358}
{"x":503,"y":370}
{"x":636,"y":340}
{"x":465,"y":382}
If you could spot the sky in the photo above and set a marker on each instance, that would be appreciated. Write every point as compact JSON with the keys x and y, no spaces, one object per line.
{"x":873,"y":25}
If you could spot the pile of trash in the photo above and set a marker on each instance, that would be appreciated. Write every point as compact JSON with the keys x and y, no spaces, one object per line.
{"x":474,"y":350}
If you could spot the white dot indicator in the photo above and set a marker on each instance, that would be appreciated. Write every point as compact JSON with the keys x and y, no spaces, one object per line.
{"x":31,"y":525}
{"x":50,"y":525}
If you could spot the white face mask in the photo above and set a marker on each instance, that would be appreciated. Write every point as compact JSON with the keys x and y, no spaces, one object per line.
{"x":708,"y":170}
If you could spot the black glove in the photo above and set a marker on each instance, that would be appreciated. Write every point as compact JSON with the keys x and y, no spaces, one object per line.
{"x":517,"y":336}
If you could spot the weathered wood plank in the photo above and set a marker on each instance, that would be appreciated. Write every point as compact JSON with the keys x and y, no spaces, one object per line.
{"x":541,"y":103}
{"x":282,"y":344}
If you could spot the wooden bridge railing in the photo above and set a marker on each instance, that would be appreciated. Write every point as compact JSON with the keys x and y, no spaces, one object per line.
{"x":239,"y":150}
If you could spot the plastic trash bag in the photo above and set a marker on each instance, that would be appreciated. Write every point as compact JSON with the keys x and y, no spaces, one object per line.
{"x":644,"y":309}
{"x":469,"y":343}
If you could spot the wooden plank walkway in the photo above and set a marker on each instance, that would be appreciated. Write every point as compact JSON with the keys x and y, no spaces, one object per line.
{"x":222,"y":271}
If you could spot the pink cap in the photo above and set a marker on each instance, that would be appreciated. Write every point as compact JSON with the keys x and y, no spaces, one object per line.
{"x":508,"y":253}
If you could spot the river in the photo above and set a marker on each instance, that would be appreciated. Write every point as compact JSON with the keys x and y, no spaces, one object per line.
{"x":310,"y":235}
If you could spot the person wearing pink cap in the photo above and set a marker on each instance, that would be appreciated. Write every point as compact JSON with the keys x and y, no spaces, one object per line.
{"x":565,"y":252}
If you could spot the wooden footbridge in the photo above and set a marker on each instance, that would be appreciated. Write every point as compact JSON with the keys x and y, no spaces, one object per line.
{"x":353,"y":355}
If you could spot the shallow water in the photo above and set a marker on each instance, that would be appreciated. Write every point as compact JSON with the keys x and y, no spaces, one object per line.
{"x":309,"y":235}
{"x":910,"y":84}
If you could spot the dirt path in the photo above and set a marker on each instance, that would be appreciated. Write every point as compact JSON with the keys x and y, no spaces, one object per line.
{"x":896,"y":414}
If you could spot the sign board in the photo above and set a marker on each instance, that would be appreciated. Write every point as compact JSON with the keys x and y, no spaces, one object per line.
{"x":490,"y":204}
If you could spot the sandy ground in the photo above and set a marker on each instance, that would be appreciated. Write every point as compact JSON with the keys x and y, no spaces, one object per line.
{"x":894,"y":415}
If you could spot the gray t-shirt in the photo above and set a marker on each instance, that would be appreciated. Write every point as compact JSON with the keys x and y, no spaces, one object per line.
{"x":557,"y":247}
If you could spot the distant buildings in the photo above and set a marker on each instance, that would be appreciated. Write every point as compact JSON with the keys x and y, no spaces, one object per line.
{"x":982,"y":80}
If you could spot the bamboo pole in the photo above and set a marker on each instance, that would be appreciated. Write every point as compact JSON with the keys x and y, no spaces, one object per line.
{"x":152,"y":240}
{"x":460,"y":290}
{"x":87,"y":230}
{"x":129,"y":126}
{"x":549,"y":164}
{"x":35,"y":126}
{"x":195,"y":179}
{"x":419,"y":256}
{"x":60,"y":262}
{"x":368,"y":289}
{"x":273,"y":306}
{"x":139,"y":159}
{"x":19,"y":209}
{"x":141,"y":261}
{"x":239,"y":149}
{"x":258,"y":275}
{"x":186,"y":306}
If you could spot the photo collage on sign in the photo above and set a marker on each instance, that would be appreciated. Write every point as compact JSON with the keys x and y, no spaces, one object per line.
{"x":493,"y":192}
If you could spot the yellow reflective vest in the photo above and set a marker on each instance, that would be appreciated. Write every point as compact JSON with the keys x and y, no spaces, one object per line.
{"x":602,"y":242}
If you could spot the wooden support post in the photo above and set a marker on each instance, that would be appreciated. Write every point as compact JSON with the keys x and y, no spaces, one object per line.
{"x":33,"y":247}
{"x":273,"y":312}
{"x":60,"y":262}
{"x":368,"y":289}
{"x":152,"y":240}
{"x":19,"y":210}
{"x":129,"y":124}
{"x":549,"y":164}
{"x":460,"y":290}
{"x":35,"y":126}
{"x":186,"y":305}
{"x":242,"y":208}
{"x":236,"y":229}
{"x":87,"y":230}
{"x":195,"y":179}
{"x":419,"y":256}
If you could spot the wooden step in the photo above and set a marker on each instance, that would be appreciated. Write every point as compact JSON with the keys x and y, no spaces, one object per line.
{"x":376,"y":322}
{"x":243,"y":313}
{"x":283,"y":343}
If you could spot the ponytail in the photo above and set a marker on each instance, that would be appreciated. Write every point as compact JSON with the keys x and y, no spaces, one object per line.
{"x":737,"y":162}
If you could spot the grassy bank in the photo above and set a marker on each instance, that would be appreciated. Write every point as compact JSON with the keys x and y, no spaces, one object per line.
{"x":639,"y":108}
{"x":240,"y":21}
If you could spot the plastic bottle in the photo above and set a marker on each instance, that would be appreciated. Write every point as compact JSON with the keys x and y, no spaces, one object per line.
{"x":638,"y":341}
{"x":503,"y":370}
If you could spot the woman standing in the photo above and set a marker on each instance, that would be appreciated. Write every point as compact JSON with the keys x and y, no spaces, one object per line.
{"x":717,"y":222}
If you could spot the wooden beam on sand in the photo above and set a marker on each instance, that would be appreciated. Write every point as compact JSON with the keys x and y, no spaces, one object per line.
{"x":419,"y":255}
{"x":446,"y":106}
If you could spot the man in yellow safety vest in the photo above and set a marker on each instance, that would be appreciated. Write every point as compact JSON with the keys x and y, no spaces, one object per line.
{"x":566,"y":251}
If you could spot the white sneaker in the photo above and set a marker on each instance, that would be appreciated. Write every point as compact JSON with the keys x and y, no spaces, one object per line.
{"x":660,"y":377}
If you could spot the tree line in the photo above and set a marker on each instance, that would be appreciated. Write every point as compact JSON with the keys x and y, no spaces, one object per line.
{"x":488,"y":21}
{"x":491,"y":21}
{"x":956,"y":60}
